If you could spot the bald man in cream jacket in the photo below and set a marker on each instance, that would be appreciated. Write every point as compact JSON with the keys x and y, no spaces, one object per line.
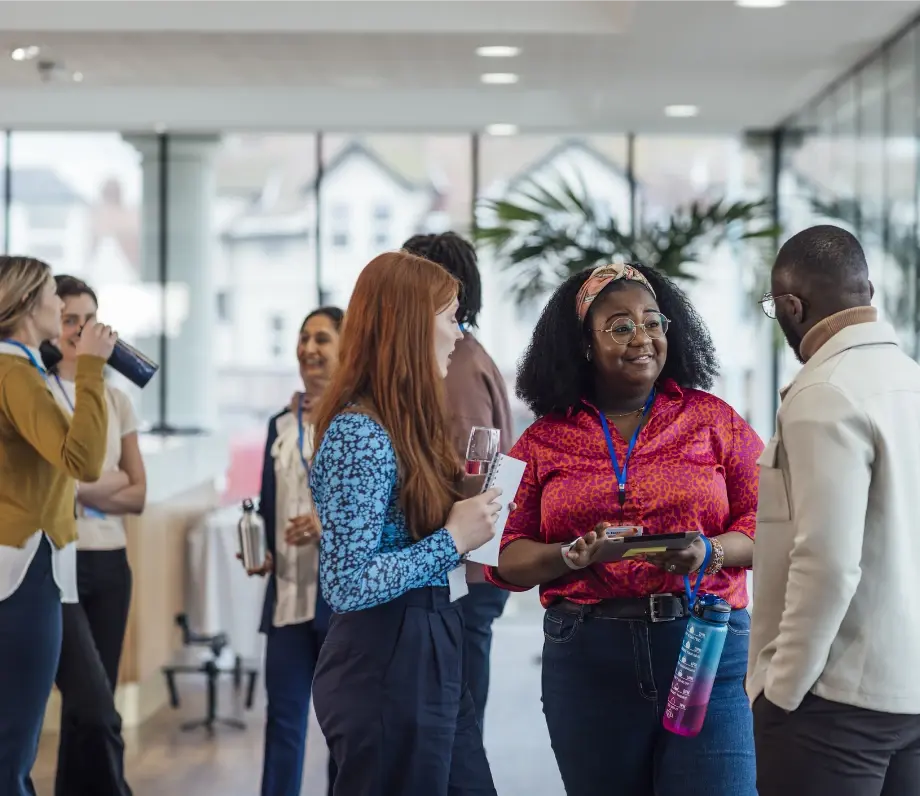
{"x":834,"y":664}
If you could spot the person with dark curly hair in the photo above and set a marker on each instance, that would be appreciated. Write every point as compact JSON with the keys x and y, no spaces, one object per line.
{"x":476,"y":396}
{"x":626,"y":437}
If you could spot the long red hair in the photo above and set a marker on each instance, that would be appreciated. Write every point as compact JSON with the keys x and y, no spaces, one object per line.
{"x":387,"y":369}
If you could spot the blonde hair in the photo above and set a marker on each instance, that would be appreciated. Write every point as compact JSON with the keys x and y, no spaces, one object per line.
{"x":21,"y":283}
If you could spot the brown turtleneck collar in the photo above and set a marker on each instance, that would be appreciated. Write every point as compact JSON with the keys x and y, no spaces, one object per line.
{"x":818,"y":335}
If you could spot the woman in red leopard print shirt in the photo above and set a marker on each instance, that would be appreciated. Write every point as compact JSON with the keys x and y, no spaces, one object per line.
{"x":622,"y":347}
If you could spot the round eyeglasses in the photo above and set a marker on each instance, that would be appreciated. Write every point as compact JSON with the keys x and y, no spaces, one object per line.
{"x":623,"y":330}
{"x":768,"y":304}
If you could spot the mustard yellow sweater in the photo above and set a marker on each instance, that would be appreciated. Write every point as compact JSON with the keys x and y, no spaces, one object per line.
{"x":42,"y":451}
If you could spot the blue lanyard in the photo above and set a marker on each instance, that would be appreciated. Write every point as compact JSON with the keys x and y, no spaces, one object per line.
{"x":63,"y":392}
{"x":623,"y":474}
{"x":25,"y":350}
{"x":692,"y":593}
{"x":300,"y":439}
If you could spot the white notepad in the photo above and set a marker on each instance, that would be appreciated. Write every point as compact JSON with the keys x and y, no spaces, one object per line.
{"x":505,"y":474}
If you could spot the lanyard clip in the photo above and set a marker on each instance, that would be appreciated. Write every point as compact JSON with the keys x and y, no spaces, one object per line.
{"x":621,"y":494}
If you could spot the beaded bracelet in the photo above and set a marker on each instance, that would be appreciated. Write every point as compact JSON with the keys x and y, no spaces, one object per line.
{"x":718,"y":557}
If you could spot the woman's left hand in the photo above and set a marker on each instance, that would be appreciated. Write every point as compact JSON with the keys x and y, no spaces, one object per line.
{"x":680,"y":562}
{"x":302,"y":530}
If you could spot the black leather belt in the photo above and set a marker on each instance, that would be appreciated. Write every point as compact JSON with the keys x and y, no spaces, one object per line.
{"x":654,"y":608}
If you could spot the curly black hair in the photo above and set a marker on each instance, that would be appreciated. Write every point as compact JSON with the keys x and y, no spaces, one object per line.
{"x":458,"y":256}
{"x":554,"y":375}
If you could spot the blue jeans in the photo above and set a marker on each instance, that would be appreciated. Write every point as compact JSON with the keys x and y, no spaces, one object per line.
{"x":605,"y":686}
{"x":30,"y":645}
{"x":291,"y":653}
{"x":481,"y":607}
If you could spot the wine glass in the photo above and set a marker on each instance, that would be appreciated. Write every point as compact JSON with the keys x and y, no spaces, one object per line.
{"x":481,"y":450}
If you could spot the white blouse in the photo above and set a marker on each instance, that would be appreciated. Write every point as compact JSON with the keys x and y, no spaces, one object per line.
{"x":296,"y":566}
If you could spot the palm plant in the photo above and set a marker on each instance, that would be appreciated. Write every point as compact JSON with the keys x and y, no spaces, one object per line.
{"x":541,"y":235}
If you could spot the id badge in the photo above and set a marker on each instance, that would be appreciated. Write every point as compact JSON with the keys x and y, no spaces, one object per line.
{"x":456,"y":582}
{"x":622,"y":531}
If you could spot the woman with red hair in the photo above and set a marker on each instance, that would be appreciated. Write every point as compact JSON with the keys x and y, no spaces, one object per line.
{"x":388,"y":688}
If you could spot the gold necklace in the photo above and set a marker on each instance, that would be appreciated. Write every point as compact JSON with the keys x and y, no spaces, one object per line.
{"x":625,"y":414}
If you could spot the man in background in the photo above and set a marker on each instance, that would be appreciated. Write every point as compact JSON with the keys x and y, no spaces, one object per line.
{"x":476,"y":396}
{"x":835,"y":634}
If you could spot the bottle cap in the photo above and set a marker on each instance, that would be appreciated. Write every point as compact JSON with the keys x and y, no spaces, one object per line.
{"x":248,"y":505}
{"x":711,"y":608}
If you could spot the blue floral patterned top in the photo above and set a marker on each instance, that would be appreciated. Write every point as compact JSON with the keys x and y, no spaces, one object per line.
{"x":367,"y":556}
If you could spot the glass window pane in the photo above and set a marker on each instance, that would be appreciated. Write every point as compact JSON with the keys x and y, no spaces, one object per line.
{"x":871,"y":179}
{"x":75,"y":202}
{"x":723,"y":277}
{"x":261,"y":227}
{"x":901,"y":179}
{"x":519,"y":169}
{"x":379,"y":190}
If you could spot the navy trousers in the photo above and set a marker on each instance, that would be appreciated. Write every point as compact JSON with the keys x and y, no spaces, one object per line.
{"x":391,"y":701}
{"x":91,"y":751}
{"x":481,"y":607}
{"x":30,"y":645}
{"x":291,"y":653}
{"x":605,"y":686}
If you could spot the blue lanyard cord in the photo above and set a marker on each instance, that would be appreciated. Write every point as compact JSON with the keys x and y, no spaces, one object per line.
{"x":300,"y":440}
{"x":25,"y":350}
{"x":692,"y":593}
{"x":63,"y":392}
{"x":623,"y":474}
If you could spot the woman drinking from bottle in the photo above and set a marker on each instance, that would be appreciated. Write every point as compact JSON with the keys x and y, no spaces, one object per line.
{"x":388,"y":688}
{"x":295,"y":616}
{"x":42,"y":454}
{"x":90,"y":748}
{"x":625,"y":437}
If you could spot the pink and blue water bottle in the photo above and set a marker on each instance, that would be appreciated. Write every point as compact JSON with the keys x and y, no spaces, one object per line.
{"x":698,"y":662}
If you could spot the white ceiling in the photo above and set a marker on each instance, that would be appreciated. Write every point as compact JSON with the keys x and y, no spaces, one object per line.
{"x":591,"y":66}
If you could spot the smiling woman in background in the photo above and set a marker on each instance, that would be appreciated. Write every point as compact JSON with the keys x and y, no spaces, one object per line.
{"x":91,"y":749}
{"x":625,"y":436}
{"x":42,"y":453}
{"x":295,"y":617}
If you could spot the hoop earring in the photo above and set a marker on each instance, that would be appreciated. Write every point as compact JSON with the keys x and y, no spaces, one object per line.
{"x":588,"y":355}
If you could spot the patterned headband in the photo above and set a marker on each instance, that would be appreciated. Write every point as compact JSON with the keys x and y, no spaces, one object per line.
{"x":603,"y":276}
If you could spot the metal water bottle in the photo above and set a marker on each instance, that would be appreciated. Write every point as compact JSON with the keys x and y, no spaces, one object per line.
{"x":251,"y":531}
{"x":697,"y":665}
{"x":125,"y":359}
{"x":132,"y":364}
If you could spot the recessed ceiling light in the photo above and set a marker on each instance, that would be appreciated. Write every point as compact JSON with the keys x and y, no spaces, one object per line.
{"x":25,"y":53}
{"x":760,"y":3}
{"x":681,"y":111}
{"x":499,"y":78}
{"x":77,"y":77}
{"x":502,"y":128}
{"x":498,"y":51}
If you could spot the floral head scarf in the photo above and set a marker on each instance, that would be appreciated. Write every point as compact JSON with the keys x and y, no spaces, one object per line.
{"x":603,"y":276}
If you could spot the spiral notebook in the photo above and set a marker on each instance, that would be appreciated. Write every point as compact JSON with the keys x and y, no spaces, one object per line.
{"x":505,"y":474}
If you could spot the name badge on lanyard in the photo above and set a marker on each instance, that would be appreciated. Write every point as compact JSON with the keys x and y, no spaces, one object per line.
{"x":623,"y":475}
{"x":300,"y":441}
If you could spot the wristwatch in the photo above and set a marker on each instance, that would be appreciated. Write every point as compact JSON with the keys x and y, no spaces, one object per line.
{"x":568,"y":561}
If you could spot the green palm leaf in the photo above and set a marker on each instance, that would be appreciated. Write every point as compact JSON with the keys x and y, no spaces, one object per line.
{"x":543,"y":233}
